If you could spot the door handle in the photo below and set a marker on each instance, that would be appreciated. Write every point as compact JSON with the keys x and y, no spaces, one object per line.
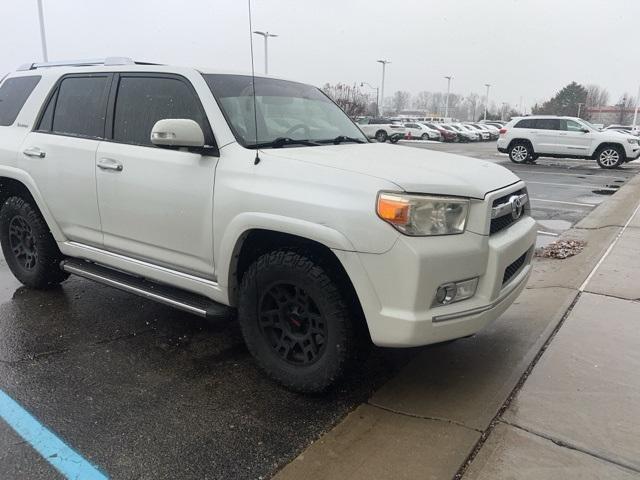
{"x":34,"y":152}
{"x":562,"y":134}
{"x":110,"y":164}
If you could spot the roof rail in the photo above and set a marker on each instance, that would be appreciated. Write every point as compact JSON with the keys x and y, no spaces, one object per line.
{"x":109,"y":61}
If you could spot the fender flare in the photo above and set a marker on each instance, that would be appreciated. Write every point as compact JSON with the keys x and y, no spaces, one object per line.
{"x":237,"y":230}
{"x":27,"y":181}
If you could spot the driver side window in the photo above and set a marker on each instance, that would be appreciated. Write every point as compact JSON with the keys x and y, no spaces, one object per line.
{"x":573,"y":126}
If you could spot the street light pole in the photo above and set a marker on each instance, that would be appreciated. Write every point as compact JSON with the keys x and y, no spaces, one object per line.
{"x":579,"y":108}
{"x":635,"y":112}
{"x":384,"y":67}
{"x":43,"y":38}
{"x":446,"y":100}
{"x":504,"y":107}
{"x":362,"y":84}
{"x":266,"y":36}
{"x":486,"y":105}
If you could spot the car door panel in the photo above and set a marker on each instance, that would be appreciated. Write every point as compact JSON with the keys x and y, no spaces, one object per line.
{"x":66,"y":178}
{"x":156,"y":204}
{"x":545,"y":136}
{"x":573,"y":141}
{"x":60,"y":154}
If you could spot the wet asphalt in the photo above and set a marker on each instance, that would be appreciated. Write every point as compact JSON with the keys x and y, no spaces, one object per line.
{"x":143,"y":391}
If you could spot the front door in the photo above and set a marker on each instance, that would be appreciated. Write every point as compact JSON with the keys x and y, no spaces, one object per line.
{"x":573,"y":139}
{"x":156,"y":204}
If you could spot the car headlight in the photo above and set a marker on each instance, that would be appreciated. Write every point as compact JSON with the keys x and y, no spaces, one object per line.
{"x":633,"y":140}
{"x":422,"y":215}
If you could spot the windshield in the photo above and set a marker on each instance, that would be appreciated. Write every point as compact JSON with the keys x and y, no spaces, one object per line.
{"x":284,"y":109}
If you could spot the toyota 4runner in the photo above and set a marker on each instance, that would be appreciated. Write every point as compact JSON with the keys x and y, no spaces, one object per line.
{"x":165,"y":182}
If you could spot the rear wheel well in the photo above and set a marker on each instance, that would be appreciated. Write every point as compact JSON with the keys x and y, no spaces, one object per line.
{"x":256,"y":243}
{"x":520,"y":141}
{"x":10,"y":187}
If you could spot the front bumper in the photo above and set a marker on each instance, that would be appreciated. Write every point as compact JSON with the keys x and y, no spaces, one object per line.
{"x":396,"y":289}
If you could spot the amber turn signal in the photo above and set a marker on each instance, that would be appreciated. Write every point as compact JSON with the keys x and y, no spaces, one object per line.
{"x":393,"y":209}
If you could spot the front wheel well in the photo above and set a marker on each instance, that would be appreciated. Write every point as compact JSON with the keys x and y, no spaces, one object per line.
{"x":608,"y":144}
{"x":258,"y":242}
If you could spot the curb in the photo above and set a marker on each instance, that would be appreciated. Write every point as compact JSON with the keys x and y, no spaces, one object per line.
{"x":409,"y":429}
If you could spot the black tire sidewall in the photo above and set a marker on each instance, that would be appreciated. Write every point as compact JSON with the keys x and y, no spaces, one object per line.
{"x":383,"y":136}
{"x":621,"y":157}
{"x":46,"y":272}
{"x":269,"y":270}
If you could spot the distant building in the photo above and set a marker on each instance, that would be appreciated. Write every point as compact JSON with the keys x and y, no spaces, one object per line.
{"x":611,"y":115}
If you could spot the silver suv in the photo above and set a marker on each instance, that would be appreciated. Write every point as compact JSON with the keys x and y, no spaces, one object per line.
{"x":526,"y":139}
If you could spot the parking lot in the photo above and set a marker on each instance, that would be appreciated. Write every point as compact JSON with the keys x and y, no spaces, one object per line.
{"x":144,"y":391}
{"x":562,"y":190}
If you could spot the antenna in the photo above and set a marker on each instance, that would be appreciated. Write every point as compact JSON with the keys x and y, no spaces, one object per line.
{"x":253,"y":85}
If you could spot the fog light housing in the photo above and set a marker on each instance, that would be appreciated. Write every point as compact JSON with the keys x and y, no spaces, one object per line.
{"x":455,"y":292}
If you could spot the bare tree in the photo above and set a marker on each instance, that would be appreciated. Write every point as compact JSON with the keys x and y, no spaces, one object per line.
{"x":348,"y":97}
{"x":401,"y":100}
{"x":421,"y":101}
{"x":596,"y":96}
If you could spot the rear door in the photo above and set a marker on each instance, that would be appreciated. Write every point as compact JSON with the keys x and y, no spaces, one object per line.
{"x":545,"y":135}
{"x":156,"y":204}
{"x":60,"y":153}
{"x":573,"y":139}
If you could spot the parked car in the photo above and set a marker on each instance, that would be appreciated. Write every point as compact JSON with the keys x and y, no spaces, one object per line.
{"x":154,"y":179}
{"x":482,"y":132}
{"x":493,"y":131}
{"x":464,"y":134}
{"x":382,"y":129}
{"x":526,"y":139}
{"x":630,"y":129}
{"x":448,"y":134}
{"x":420,"y":131}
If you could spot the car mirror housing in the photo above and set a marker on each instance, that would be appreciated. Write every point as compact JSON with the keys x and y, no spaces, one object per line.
{"x":177,"y":132}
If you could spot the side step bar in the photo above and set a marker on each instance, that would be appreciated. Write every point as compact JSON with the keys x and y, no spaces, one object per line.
{"x":180,"y":299}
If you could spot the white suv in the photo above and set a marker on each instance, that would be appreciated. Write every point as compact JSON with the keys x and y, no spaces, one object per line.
{"x":155,"y":180}
{"x":526,"y":139}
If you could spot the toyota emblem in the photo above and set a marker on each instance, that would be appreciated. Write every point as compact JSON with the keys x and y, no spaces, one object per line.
{"x":516,"y":206}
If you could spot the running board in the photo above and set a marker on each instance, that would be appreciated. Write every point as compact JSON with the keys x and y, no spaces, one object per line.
{"x":180,"y":299}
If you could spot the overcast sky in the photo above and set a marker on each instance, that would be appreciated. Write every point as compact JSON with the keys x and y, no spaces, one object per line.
{"x":526,"y":48}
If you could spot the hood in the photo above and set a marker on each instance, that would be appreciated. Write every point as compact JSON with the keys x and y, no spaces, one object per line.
{"x":415,"y":170}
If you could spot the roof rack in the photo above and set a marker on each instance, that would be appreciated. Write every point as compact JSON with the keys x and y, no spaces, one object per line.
{"x":107,"y":62}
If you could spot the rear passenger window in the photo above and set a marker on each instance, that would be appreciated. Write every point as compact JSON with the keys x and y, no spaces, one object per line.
{"x":142,"y":101}
{"x":13,"y":95}
{"x":547,"y":124}
{"x":78,"y":107}
{"x":526,"y":123}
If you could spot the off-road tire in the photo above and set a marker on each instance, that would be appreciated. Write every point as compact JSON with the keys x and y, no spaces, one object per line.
{"x":381,"y":136}
{"x":610,"y":156}
{"x":520,"y":152}
{"x":289,"y":273}
{"x":28,"y":246}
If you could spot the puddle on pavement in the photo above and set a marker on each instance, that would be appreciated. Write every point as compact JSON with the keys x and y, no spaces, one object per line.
{"x":609,"y":189}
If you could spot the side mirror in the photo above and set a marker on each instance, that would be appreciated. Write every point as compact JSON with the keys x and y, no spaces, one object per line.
{"x":177,"y":132}
{"x":584,"y":130}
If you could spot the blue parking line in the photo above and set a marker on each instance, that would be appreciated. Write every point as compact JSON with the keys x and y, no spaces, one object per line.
{"x":62,"y":457}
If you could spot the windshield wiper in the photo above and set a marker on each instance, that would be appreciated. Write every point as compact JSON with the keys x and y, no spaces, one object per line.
{"x":343,"y":138}
{"x":285,"y":141}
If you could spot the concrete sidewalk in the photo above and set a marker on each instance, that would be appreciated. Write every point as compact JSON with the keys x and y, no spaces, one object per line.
{"x":578,"y":413}
{"x":476,"y":409}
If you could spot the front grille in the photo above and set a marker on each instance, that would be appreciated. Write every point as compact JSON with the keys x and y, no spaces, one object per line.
{"x":514,"y":268}
{"x":500,"y":223}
